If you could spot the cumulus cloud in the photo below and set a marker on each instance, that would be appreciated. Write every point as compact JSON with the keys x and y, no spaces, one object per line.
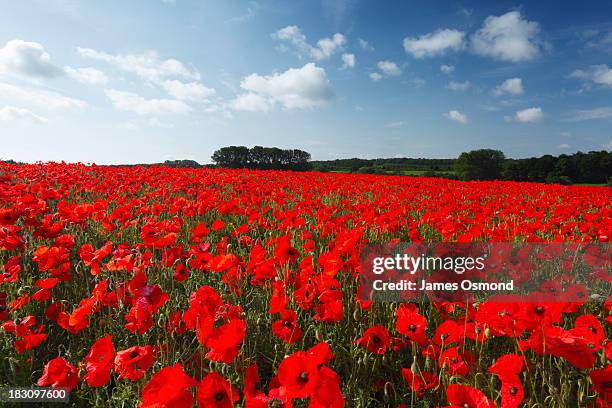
{"x":86,"y":75}
{"x":389,"y":68}
{"x":458,"y":86}
{"x":349,"y":60}
{"x":375,"y":76}
{"x":27,"y":59}
{"x":365,"y":45}
{"x":433,"y":44}
{"x":607,"y":146}
{"x":563,"y":146}
{"x":447,"y":69}
{"x":591,"y":114}
{"x":43,"y":99}
{"x":529,"y":115}
{"x":508,"y":37}
{"x":148,"y":66}
{"x":188,"y":91}
{"x":296,"y":88}
{"x":325,"y":48}
{"x":596,"y":74}
{"x":11,"y":113}
{"x":132,"y":102}
{"x":251,"y":102}
{"x":456,"y":116}
{"x":512,"y":86}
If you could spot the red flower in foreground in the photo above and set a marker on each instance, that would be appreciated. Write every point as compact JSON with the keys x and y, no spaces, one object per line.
{"x":298,"y":375}
{"x":100,"y":361}
{"x":376,"y":339}
{"x":411,"y":324}
{"x":216,"y":392}
{"x":168,"y":388}
{"x":464,"y":396}
{"x":602,"y":383}
{"x":420,"y":382}
{"x":132,"y":363}
{"x":59,"y":374}
{"x":508,"y":367}
{"x":285,"y":328}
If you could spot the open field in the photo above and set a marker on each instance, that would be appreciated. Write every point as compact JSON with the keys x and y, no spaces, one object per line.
{"x":168,"y":287}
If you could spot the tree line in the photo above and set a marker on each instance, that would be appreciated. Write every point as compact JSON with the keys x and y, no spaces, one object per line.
{"x":258,"y":157}
{"x":594,"y":167}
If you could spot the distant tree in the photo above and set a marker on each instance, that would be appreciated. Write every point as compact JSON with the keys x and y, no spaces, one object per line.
{"x":232,"y":156}
{"x":483,"y":164}
{"x":259,"y":157}
{"x":182,"y":163}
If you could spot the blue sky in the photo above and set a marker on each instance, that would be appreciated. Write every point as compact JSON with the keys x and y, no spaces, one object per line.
{"x":146,"y":81}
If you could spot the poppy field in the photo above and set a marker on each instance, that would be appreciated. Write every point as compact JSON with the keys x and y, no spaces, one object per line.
{"x":169,"y":287}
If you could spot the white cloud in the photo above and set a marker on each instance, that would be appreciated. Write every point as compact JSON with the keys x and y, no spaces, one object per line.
{"x":251,"y":102}
{"x":375,"y":76}
{"x":190,"y":91}
{"x":447,"y":69}
{"x":11,"y":113}
{"x":43,"y":99}
{"x":365,"y":45}
{"x":563,"y":146}
{"x":456,"y":116}
{"x":349,"y":60}
{"x":27,"y":59}
{"x":147,"y":66}
{"x":87,"y":75}
{"x":607,"y":146}
{"x":591,"y":114}
{"x":296,"y":88}
{"x":436,"y":43}
{"x":325,"y":47}
{"x":132,"y":102}
{"x":394,"y":124}
{"x":597,"y":74}
{"x":458,"y":86}
{"x":389,"y":68}
{"x":512,"y":86}
{"x":507,"y":37}
{"x":529,"y":115}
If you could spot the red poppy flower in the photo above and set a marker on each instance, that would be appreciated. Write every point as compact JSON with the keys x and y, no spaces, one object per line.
{"x":285,"y":328}
{"x":298,"y":374}
{"x":216,"y":392}
{"x":132,"y":363}
{"x":411,"y":324}
{"x":181,"y":273}
{"x":100,"y":361}
{"x":327,"y":393}
{"x":420,"y":382}
{"x":602,"y":383}
{"x":508,"y":365}
{"x":224,"y":341}
{"x":376,"y":339}
{"x":456,"y":362}
{"x":59,"y":373}
{"x":464,"y":396}
{"x":168,"y":388}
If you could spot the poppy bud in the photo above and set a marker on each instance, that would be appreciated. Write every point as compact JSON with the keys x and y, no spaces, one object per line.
{"x":318,"y":335}
{"x":387,"y":391}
